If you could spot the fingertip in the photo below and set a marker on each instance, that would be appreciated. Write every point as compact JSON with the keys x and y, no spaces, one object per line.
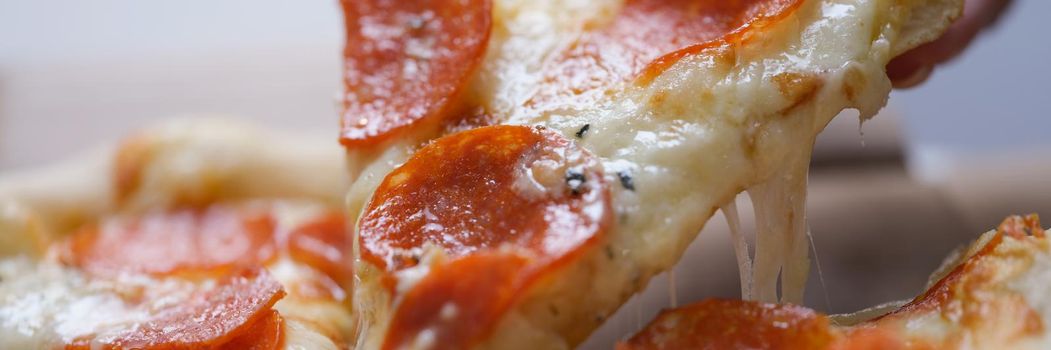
{"x":910,"y":79}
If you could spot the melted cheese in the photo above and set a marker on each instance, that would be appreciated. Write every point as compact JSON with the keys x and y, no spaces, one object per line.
{"x":315,"y":310}
{"x":781,"y":247}
{"x":46,"y":305}
{"x":1033,"y":284}
{"x":734,"y":117}
{"x":185,"y":161}
{"x":301,"y":335}
{"x":21,"y":232}
{"x":681,"y":137}
{"x":740,"y":243}
{"x":296,"y":176}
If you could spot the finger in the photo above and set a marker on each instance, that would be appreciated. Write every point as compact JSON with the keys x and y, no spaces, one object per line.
{"x":913,"y":67}
{"x":915,"y":78}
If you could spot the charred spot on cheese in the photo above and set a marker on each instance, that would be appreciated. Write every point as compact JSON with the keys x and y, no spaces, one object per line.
{"x":406,"y":62}
{"x":583,"y":131}
{"x":626,"y":180}
{"x":576,"y":181}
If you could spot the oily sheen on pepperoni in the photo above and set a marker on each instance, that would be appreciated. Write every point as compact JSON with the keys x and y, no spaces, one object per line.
{"x":646,"y":36}
{"x":265,"y":334}
{"x":214,"y":238}
{"x":734,"y":324}
{"x":405,"y":61}
{"x":524,"y":188}
{"x":458,"y":302}
{"x":506,"y":204}
{"x":322,"y":243}
{"x":740,"y":324}
{"x":229,"y":312}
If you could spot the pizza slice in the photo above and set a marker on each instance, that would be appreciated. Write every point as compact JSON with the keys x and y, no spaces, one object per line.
{"x":523,"y":167}
{"x":992,"y":296}
{"x":202,"y":234}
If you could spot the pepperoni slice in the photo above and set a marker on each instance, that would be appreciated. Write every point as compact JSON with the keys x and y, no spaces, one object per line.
{"x":645,"y":33}
{"x":238,"y":307}
{"x":506,"y":204}
{"x":517,"y":187}
{"x":448,"y":309}
{"x":213,"y":239}
{"x":322,"y":243}
{"x":406,"y":61}
{"x":265,"y":334}
{"x":734,"y":324}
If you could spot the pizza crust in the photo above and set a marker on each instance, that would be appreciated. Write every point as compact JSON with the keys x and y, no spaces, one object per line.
{"x":990,"y":295}
{"x":180,"y":162}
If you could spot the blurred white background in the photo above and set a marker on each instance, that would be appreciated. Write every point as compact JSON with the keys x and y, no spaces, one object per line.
{"x":943,"y":163}
{"x":75,"y":72}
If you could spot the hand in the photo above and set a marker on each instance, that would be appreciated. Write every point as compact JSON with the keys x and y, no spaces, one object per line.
{"x":913,"y":67}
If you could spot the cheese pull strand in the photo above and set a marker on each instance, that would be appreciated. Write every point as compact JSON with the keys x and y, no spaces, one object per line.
{"x":782,"y":248}
{"x":740,"y":244}
{"x":797,"y":266}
